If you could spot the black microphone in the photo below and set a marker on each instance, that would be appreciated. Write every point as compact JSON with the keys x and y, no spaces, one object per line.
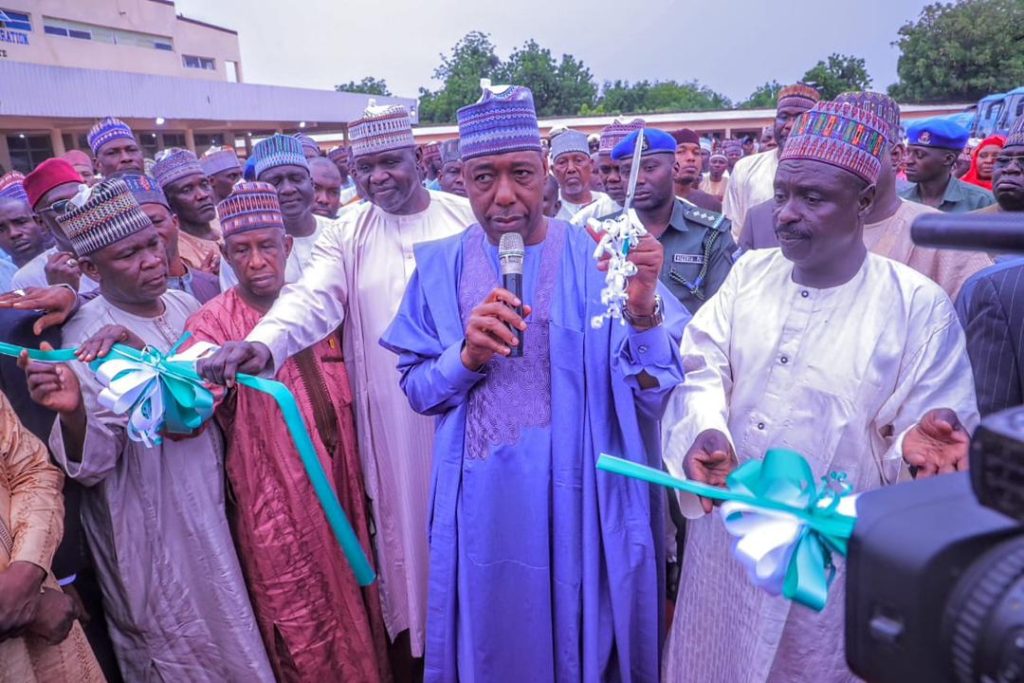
{"x":995,"y":232}
{"x":511,"y":254}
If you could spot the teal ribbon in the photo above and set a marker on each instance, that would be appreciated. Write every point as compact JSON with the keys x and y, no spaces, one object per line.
{"x":781,"y":482}
{"x":188,"y":402}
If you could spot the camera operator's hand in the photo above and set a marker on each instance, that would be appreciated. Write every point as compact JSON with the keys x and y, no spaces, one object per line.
{"x":710,"y":460}
{"x":938,"y":444}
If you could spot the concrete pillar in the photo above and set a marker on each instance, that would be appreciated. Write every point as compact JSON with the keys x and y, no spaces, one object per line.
{"x":5,"y":154}
{"x":57,"y":141}
{"x":190,"y":140}
{"x":728,"y":133}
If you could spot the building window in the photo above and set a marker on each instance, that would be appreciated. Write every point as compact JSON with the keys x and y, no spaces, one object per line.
{"x":104,"y":34}
{"x":28,"y":151}
{"x":232,"y":71}
{"x":15,"y":21}
{"x":193,"y":62}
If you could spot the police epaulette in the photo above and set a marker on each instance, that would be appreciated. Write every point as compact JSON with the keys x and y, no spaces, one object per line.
{"x":711,"y":219}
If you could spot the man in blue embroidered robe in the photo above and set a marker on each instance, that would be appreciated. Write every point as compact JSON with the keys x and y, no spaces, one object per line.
{"x":541,"y":567}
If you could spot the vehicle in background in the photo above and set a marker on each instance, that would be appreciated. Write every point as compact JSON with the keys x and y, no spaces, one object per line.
{"x":988,"y":113}
{"x":1013,"y":108}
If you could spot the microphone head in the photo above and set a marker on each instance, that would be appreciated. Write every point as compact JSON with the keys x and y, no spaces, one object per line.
{"x":511,"y":253}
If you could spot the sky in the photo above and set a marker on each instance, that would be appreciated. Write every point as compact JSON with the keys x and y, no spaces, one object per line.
{"x":731,"y":46}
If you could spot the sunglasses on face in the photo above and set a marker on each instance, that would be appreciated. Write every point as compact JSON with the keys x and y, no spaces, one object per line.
{"x":59,"y":207}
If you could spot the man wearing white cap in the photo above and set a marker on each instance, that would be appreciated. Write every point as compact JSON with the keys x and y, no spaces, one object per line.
{"x":357,"y":275}
{"x":572,"y":168}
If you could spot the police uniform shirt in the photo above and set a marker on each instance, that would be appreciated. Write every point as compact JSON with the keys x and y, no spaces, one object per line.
{"x":698,"y":253}
{"x":959,"y":197}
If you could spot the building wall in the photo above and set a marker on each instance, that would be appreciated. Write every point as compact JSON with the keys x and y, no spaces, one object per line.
{"x":154,"y":17}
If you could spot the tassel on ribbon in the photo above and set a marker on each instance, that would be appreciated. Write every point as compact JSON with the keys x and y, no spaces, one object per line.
{"x":786,"y":526}
{"x":164,"y":394}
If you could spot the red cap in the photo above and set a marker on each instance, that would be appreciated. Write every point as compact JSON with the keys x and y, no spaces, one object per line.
{"x":48,"y":175}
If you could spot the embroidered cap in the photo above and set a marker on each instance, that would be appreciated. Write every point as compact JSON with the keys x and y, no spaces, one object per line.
{"x":571,"y":141}
{"x":101,"y":216}
{"x":840,"y":135}
{"x":108,"y":130}
{"x":502,"y":121}
{"x":614,"y":132}
{"x":144,"y":188}
{"x":800,"y":91}
{"x":882,"y":106}
{"x":309,"y":145}
{"x":278,"y":150}
{"x":1016,"y":135}
{"x":381,"y":129}
{"x":219,"y":159}
{"x":174,"y":164}
{"x":12,"y":186}
{"x":250,"y":206}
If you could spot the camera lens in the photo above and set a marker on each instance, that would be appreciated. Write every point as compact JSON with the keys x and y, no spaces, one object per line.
{"x":983,"y":626}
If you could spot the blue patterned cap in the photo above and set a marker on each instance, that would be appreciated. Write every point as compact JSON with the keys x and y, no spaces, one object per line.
{"x":308,"y":143}
{"x":145,"y":188}
{"x":219,"y":159}
{"x":941,"y":133}
{"x":107,"y":130}
{"x":12,"y":186}
{"x":174,"y":164}
{"x":278,"y":150}
{"x":102,"y":215}
{"x":503,"y":120}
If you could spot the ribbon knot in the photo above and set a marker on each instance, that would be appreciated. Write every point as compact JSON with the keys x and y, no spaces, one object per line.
{"x":159,"y":392}
{"x":786,"y":527}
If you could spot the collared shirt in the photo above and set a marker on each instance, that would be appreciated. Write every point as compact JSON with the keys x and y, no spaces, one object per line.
{"x":959,"y":197}
{"x":689,"y":247}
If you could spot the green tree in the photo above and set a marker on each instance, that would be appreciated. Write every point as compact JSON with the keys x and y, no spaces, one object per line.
{"x":471,"y":59}
{"x":764,"y":97}
{"x":646,"y":97}
{"x":559,"y":88}
{"x":841,"y":73}
{"x":367,"y":86}
{"x":961,"y":51}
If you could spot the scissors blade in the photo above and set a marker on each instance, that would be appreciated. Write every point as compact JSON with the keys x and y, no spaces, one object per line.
{"x":634,"y":171}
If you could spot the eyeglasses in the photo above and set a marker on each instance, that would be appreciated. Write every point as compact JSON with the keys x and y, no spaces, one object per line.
{"x":59,"y":207}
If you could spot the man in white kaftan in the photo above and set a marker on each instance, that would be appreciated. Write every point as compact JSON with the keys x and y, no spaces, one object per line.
{"x":845,"y":370}
{"x":357,"y":275}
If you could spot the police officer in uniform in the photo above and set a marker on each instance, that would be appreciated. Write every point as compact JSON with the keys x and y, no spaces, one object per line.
{"x":698,"y":243}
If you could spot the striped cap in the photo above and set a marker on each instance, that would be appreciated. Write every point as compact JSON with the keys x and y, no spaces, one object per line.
{"x":1016,"y":135}
{"x":799,"y":91}
{"x":503,"y":120}
{"x":340,"y":154}
{"x":12,"y":186}
{"x":102,"y":215}
{"x":174,"y":164}
{"x":278,"y":150}
{"x":381,"y":129}
{"x":615,"y":132}
{"x":219,"y":159}
{"x":250,"y":206}
{"x":882,"y":106}
{"x":108,"y":130}
{"x":840,"y":135}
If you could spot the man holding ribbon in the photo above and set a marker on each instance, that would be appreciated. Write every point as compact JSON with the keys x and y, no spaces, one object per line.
{"x":154,"y":514}
{"x":853,"y":360}
{"x":317,"y":623}
{"x":541,"y":568}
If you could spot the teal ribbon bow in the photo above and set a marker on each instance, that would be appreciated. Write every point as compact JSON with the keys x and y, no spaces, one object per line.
{"x":188,"y":403}
{"x":788,"y":525}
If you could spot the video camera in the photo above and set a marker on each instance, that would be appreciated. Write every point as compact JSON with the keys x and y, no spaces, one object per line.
{"x":935,"y":569}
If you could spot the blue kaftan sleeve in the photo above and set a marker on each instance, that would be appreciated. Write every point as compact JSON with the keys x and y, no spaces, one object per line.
{"x":433,"y":376}
{"x":656,"y":352}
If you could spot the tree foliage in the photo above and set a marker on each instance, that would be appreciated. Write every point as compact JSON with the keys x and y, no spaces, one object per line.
{"x":647,"y":97}
{"x":839,"y":74}
{"x":559,"y":88}
{"x":367,"y":86}
{"x":472,"y":58}
{"x":961,"y":51}
{"x":764,"y":97}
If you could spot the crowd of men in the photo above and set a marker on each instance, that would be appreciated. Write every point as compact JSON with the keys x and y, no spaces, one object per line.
{"x":778,"y":300}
